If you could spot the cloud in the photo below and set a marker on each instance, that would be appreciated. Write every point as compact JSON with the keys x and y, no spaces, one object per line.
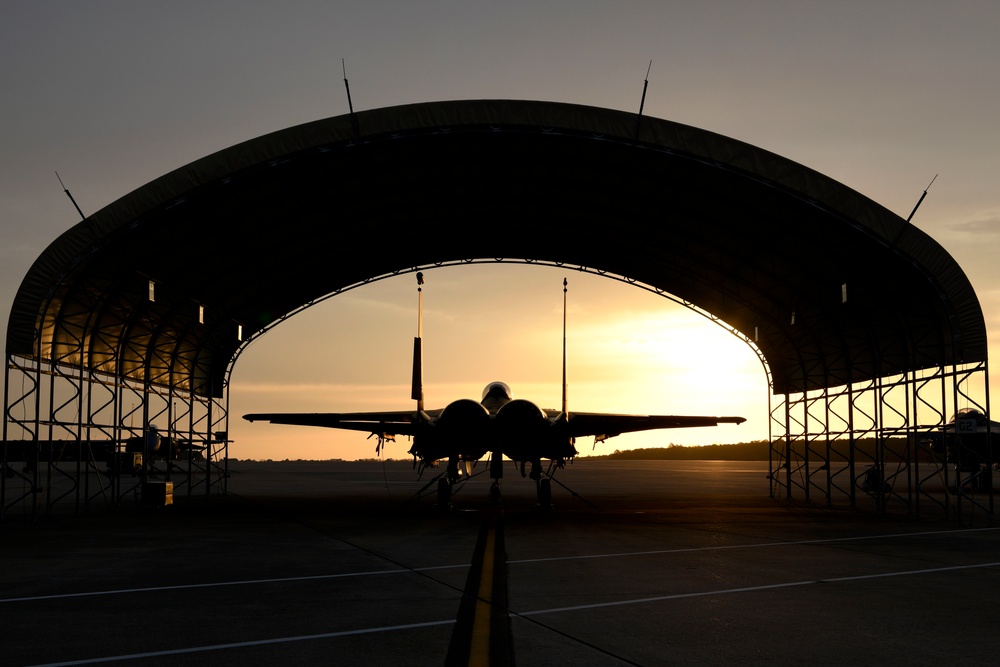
{"x":986,"y":224}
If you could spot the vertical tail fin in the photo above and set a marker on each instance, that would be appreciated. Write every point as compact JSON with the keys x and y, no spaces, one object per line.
{"x":565,"y":397}
{"x":417,"y":390}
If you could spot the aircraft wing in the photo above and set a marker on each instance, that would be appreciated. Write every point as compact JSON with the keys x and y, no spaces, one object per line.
{"x":401,"y":422}
{"x":604,"y":426}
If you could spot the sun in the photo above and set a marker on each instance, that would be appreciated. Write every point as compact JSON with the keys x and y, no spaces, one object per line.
{"x":663,"y":358}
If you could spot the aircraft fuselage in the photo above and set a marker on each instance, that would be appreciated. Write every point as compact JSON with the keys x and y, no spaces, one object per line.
{"x":498,"y":424}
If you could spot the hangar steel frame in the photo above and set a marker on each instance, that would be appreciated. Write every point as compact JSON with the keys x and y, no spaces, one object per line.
{"x":713,"y":220}
{"x":75,"y":424}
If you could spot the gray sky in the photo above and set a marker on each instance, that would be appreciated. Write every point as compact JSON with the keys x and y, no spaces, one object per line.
{"x":878,"y":95}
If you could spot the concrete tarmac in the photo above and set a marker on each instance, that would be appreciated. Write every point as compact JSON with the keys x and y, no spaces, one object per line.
{"x":651,"y":563}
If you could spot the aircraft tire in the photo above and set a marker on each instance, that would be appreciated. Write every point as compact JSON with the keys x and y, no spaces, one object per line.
{"x":444,"y":493}
{"x":545,"y":493}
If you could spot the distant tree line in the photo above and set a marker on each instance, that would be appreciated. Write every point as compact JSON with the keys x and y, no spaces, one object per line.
{"x":756,"y":450}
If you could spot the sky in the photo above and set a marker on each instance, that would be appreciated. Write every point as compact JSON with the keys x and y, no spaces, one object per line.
{"x":881,"y":96}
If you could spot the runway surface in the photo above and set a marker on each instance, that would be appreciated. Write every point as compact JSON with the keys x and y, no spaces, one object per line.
{"x":658,"y":563}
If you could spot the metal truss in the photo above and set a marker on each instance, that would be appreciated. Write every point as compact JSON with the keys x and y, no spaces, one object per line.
{"x":74,"y":439}
{"x":887,"y":445}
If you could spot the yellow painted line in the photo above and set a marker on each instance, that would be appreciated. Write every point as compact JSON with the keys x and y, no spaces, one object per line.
{"x":479,"y":653}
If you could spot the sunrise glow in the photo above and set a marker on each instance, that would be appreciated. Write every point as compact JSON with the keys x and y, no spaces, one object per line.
{"x":629,"y":351}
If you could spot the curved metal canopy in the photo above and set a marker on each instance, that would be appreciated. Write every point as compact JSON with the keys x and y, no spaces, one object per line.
{"x":832,"y":287}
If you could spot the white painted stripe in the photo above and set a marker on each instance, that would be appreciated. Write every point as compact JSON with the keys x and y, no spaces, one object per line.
{"x":253,"y":582}
{"x":260,"y":642}
{"x":749,"y":589}
{"x":627,"y":554}
{"x":537,"y":612}
{"x":247,"y":582}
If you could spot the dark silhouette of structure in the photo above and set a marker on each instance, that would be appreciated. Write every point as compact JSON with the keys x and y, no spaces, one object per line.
{"x":865,"y":325}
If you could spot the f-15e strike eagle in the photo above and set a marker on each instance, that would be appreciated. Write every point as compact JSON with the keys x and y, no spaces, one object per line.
{"x":499,"y":425}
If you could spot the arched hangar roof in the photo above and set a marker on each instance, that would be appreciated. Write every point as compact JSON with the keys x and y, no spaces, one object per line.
{"x":832,"y":287}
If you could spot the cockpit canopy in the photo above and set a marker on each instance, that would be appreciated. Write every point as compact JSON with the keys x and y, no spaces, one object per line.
{"x":497,"y":388}
{"x":969,"y":413}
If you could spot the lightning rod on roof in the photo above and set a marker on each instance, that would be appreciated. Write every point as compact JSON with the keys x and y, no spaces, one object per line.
{"x":350,"y":104}
{"x":642,"y":102}
{"x":921,"y":200}
{"x":75,"y":205}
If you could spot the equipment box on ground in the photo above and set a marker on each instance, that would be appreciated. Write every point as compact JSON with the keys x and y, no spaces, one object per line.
{"x":158,"y":494}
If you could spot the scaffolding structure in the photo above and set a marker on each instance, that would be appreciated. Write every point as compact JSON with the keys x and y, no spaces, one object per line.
{"x":888,"y":445}
{"x":85,"y":440}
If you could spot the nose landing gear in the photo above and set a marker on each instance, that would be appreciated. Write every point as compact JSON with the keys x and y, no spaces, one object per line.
{"x":496,"y":472}
{"x":545,"y":493}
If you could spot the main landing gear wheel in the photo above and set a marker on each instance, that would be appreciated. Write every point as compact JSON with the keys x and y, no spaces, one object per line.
{"x":545,"y":493}
{"x":444,"y":493}
{"x":496,"y":466}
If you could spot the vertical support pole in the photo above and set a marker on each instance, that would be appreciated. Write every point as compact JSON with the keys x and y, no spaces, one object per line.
{"x":808,"y":457}
{"x":169,"y":437}
{"x":82,"y":482}
{"x":954,"y":410}
{"x":788,"y":446}
{"x":50,"y":419}
{"x":225,"y":445}
{"x":990,"y":451}
{"x":879,"y":449}
{"x":911,"y":439}
{"x":208,"y":438}
{"x":852,"y":448}
{"x":118,"y":415}
{"x":6,"y":434}
{"x":37,"y":425}
{"x":771,"y":481}
{"x":945,"y":376}
{"x":146,"y":462}
{"x":190,"y":437}
{"x":828,"y":463}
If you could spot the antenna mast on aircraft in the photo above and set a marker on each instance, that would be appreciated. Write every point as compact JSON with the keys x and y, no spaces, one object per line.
{"x":565,"y":396}
{"x":417,"y":390}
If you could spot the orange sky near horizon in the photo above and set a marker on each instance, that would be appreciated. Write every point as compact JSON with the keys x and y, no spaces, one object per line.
{"x":629,"y":351}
